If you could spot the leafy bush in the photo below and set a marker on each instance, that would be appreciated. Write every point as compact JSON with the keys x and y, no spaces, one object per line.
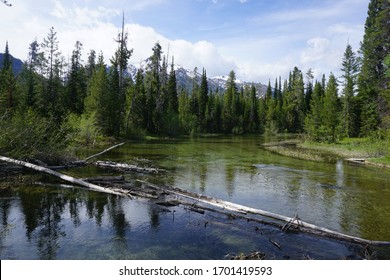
{"x":27,"y":136}
{"x":82,"y":129}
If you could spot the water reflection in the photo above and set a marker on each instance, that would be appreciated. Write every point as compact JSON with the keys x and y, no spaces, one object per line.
{"x":49,"y":223}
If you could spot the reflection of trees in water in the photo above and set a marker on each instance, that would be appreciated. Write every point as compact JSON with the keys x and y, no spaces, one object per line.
{"x":43,"y":214}
{"x":5,"y":206}
{"x":230,"y":173}
{"x":95,"y":204}
{"x":44,"y":210}
{"x":118,"y":217}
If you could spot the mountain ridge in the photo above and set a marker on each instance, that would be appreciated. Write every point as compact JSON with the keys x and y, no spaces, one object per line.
{"x":184,"y":77}
{"x":17,"y":64}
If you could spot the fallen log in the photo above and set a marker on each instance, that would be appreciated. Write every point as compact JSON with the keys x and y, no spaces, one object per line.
{"x":64,"y":177}
{"x":298,"y":223}
{"x":126,"y":167}
{"x":105,"y":179}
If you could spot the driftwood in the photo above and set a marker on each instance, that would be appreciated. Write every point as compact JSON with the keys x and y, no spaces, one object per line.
{"x":105,"y":151}
{"x":64,"y":177}
{"x":126,"y":167}
{"x":296,"y":222}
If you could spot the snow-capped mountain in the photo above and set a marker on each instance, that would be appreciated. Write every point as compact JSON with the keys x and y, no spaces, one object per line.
{"x":185,"y":79}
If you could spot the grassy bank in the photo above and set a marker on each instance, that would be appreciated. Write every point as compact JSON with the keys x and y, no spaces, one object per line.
{"x":374,"y":152}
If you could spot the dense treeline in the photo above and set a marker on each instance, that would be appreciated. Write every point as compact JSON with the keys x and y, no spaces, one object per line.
{"x":54,"y":101}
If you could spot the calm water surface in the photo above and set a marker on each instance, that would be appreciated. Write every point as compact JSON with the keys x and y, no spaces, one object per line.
{"x":52,"y":222}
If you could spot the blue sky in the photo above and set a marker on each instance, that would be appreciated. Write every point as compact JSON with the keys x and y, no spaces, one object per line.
{"x":258,"y":39}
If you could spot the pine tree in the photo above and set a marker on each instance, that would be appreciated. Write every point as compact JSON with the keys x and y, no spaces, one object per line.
{"x":52,"y":66}
{"x":95,"y":103}
{"x":7,"y":84}
{"x":202,"y":101}
{"x":76,"y":84}
{"x":372,"y":80}
{"x":119,"y":83}
{"x":350,"y":68}
{"x":294,"y":102}
{"x":253,"y":111}
{"x":229,"y":105}
{"x":136,"y":105}
{"x":314,"y":119}
{"x":154,"y":104}
{"x":331,"y":109}
{"x":309,"y":89}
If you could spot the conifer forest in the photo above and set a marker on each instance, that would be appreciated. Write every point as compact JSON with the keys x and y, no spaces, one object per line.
{"x":53,"y":102}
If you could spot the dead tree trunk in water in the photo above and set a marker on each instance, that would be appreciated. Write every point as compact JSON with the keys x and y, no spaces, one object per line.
{"x":296,"y":222}
{"x":64,"y":177}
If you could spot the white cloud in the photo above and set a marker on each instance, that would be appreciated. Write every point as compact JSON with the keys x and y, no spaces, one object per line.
{"x":93,"y":27}
{"x":318,"y":49}
{"x":187,"y":54}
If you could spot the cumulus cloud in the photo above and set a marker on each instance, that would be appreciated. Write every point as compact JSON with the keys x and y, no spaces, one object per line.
{"x":317,"y":50}
{"x":187,"y":54}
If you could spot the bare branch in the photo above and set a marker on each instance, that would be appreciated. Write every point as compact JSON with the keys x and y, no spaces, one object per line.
{"x":6,"y":3}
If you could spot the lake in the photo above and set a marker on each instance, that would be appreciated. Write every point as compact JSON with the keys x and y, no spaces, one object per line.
{"x":51,"y":220}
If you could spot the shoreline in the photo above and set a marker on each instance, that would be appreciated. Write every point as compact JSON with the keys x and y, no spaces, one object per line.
{"x":326,"y":153}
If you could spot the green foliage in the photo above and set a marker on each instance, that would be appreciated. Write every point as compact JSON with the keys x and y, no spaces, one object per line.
{"x":373,"y":83}
{"x":29,"y":136}
{"x":82,"y":129}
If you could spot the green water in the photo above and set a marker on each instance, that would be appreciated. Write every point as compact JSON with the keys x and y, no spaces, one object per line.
{"x":51,"y":222}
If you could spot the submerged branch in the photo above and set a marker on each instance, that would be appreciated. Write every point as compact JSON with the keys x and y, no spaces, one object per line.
{"x":105,"y":151}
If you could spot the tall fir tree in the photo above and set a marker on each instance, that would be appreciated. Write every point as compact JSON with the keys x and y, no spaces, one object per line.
{"x":229,"y":104}
{"x":350,"y":68}
{"x":372,"y":80}
{"x":52,"y":67}
{"x":76,"y":83}
{"x":314,"y":119}
{"x":331,"y":110}
{"x":203,"y":94}
{"x":154,"y":105}
{"x":294,"y":102}
{"x":136,"y":105}
{"x":7,"y":84}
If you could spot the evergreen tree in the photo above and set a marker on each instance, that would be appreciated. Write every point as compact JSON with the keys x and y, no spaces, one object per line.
{"x":372,"y":80}
{"x":95,"y":103}
{"x":309,"y":89}
{"x":294,"y":102}
{"x":91,"y":65}
{"x":76,"y":84}
{"x":7,"y":84}
{"x":202,"y":101}
{"x":33,"y":80}
{"x":314,"y":119}
{"x":173,"y":103}
{"x":52,"y":68}
{"x":350,"y":68}
{"x":119,"y":83}
{"x":253,"y":111}
{"x":331,"y":115}
{"x":229,"y":104}
{"x":154,"y":101}
{"x":136,"y":105}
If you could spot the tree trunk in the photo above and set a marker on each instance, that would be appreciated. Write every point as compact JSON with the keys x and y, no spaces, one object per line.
{"x":296,"y":222}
